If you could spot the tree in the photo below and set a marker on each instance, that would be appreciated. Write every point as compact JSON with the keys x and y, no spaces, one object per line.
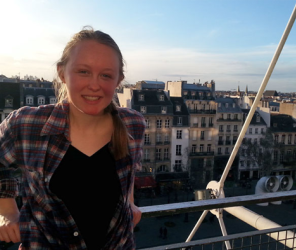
{"x":260,"y":153}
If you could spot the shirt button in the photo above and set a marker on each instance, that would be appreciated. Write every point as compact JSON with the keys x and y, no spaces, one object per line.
{"x":75,"y":234}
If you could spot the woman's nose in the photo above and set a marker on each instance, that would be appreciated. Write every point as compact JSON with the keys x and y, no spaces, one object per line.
{"x":94,"y":84}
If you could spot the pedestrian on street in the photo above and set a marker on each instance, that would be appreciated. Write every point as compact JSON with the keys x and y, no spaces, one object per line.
{"x":160,"y":232}
{"x":165,"y":233}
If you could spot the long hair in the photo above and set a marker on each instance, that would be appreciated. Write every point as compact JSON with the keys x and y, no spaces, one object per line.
{"x":120,"y":137}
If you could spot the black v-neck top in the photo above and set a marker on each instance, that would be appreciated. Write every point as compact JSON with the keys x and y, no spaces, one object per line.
{"x":89,"y":186}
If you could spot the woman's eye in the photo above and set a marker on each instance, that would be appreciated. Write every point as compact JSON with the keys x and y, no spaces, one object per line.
{"x":83,"y":71}
{"x":106,"y":76}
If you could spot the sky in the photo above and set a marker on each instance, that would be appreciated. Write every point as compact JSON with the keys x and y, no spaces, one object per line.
{"x":229,"y":41}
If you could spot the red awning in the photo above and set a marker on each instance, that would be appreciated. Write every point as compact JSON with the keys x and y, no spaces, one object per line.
{"x":145,"y":182}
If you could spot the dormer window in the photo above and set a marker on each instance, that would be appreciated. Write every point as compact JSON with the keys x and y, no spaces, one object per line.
{"x":41,"y":100}
{"x":219,"y":105}
{"x":233,"y":105}
{"x":161,"y":97}
{"x":178,"y":108}
{"x":185,"y":92}
{"x":163,"y":109}
{"x":8,"y":102}
{"x":257,"y":118}
{"x":226,"y":105}
{"x":29,"y":100}
{"x":143,"y":109}
{"x":193,"y":93}
{"x":52,"y":100}
{"x":141,"y":97}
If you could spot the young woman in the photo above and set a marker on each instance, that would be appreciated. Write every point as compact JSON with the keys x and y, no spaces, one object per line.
{"x":78,"y":157}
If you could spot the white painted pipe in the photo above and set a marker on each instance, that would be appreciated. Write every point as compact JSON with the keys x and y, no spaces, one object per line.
{"x":259,"y":222}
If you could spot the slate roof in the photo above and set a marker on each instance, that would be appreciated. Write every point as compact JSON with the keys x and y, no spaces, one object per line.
{"x":230,"y":108}
{"x":275,"y":104}
{"x":187,"y":86}
{"x":254,"y":118}
{"x":179,"y":101}
{"x":270,"y":93}
{"x":12,"y":89}
{"x":282,"y":123}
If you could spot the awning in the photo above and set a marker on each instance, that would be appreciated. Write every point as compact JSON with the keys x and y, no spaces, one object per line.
{"x":144,"y":182}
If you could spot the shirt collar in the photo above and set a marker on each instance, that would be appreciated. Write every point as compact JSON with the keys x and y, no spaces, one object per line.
{"x":57,"y":123}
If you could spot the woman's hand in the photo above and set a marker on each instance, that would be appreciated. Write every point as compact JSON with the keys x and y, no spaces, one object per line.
{"x":137,"y":214}
{"x":9,"y":221}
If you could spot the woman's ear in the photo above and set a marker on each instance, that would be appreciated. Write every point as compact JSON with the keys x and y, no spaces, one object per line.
{"x":60,"y":70}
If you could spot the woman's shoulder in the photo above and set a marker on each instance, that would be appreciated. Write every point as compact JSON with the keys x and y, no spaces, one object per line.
{"x":31,"y":114}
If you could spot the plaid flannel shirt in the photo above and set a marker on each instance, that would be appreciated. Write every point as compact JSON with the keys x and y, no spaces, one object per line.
{"x":35,"y":139}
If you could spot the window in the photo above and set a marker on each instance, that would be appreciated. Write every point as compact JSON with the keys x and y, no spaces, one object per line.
{"x":29,"y":100}
{"x":201,"y":148}
{"x":141,"y":97}
{"x":178,"y":165}
{"x":219,"y":151}
{"x":161,"y":97}
{"x":158,"y":154}
{"x":193,"y":148}
{"x":52,"y":100}
{"x":163,"y":109}
{"x":8,"y":102}
{"x":179,"y":122}
{"x":194,"y":135}
{"x":283,"y":139}
{"x":147,"y":123}
{"x":275,"y":155}
{"x":276,"y":138}
{"x":209,"y":135}
{"x":257,"y":118}
{"x":178,"y":108}
{"x":227,"y":150}
{"x":203,"y":121}
{"x":256,"y":130}
{"x":250,"y":130}
{"x":209,"y":148}
{"x":179,"y":134}
{"x":235,"y":116}
{"x":178,"y":149}
{"x":228,"y":116}
{"x":235,"y":128}
{"x":166,"y":154}
{"x":158,"y":123}
{"x":166,"y":138}
{"x":262,"y":130}
{"x":146,"y":154}
{"x":202,"y":135}
{"x":242,"y":163}
{"x":220,"y":128}
{"x":167,"y":123}
{"x":143,"y":109}
{"x":41,"y":100}
{"x":158,"y":138}
{"x":289,"y":139}
{"x":147,"y":139}
{"x":228,"y":128}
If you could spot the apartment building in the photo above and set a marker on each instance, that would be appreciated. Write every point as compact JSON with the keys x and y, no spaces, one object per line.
{"x":229,"y":122}
{"x":200,"y":102}
{"x":250,"y":150}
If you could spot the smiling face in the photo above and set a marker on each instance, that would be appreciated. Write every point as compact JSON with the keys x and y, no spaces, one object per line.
{"x":91,"y":76}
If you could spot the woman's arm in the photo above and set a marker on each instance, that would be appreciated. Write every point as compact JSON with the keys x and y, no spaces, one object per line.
{"x":9,"y":220}
{"x":137,"y":214}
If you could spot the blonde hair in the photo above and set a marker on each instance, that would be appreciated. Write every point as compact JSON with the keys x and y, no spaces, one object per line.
{"x":120,"y":137}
